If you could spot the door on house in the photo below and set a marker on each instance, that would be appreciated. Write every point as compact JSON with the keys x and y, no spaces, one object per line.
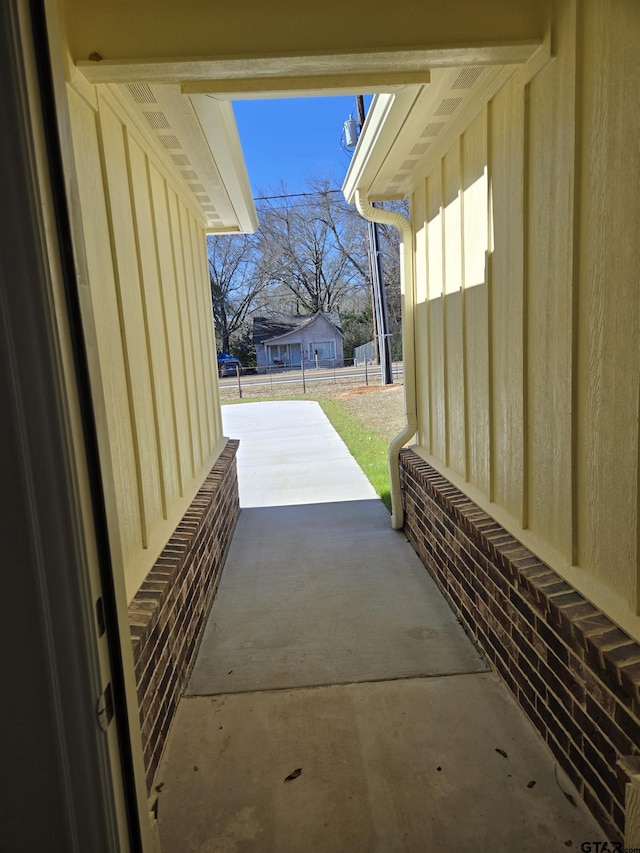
{"x":296,"y":355}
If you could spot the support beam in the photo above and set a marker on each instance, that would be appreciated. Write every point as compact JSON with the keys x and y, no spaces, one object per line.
{"x":338,"y":84}
{"x":162,"y":41}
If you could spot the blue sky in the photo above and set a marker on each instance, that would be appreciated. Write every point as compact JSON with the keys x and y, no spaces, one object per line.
{"x":288,"y":140}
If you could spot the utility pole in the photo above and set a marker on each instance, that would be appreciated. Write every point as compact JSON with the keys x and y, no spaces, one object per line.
{"x":381,"y":335}
{"x":360,"y":108}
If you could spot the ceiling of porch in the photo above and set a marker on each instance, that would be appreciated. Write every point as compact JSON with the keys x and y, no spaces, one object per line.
{"x":180,"y":66}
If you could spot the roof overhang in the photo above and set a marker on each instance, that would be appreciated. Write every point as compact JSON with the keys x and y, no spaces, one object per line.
{"x":280,"y":45}
{"x":209,"y":53}
{"x":408,"y":131}
{"x":197,"y":136}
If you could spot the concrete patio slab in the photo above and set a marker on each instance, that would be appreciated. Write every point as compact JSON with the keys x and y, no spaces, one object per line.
{"x":440,"y":764}
{"x":325,"y":594}
{"x":322,"y":593}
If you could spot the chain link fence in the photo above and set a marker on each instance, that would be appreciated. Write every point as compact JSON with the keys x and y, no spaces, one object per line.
{"x":300,"y":379}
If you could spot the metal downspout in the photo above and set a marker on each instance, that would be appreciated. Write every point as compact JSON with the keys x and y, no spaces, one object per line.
{"x":408,"y":289}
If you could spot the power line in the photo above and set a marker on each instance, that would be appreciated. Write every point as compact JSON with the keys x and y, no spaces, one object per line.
{"x":295,"y":195}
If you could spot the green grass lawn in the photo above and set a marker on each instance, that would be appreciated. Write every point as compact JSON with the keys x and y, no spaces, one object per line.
{"x":367,"y":447}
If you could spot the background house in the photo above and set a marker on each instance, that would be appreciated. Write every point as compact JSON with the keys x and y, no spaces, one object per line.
{"x":285,"y":340}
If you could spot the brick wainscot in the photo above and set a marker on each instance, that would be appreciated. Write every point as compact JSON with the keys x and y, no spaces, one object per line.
{"x":168,"y":612}
{"x":574,"y":673}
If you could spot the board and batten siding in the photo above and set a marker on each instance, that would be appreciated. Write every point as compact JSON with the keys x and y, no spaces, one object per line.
{"x":527,"y":240}
{"x":148,"y":321}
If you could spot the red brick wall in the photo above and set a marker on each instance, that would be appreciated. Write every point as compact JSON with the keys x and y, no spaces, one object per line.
{"x":573,"y":672}
{"x":168,"y":613}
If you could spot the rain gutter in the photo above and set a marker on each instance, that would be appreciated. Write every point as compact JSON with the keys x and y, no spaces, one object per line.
{"x":408,"y":286}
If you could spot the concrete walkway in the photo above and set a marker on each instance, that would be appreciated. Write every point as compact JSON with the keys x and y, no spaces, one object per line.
{"x":291,"y":455}
{"x":331,"y":657}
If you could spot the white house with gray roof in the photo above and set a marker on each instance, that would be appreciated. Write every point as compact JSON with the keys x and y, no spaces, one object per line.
{"x":285,"y":340}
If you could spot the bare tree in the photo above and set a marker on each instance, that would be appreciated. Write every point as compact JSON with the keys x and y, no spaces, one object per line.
{"x":310,"y":254}
{"x":238,"y":282}
{"x":314,"y":245}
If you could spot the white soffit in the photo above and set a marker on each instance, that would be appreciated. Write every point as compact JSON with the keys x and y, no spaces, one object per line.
{"x":384,"y":121}
{"x":407,"y":132}
{"x":199,"y":136}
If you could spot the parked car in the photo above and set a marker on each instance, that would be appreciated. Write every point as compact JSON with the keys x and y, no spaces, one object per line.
{"x":229,"y":367}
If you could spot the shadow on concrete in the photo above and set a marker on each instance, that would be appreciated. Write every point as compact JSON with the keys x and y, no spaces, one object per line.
{"x":325,"y":594}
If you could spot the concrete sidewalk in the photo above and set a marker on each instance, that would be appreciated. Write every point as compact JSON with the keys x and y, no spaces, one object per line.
{"x":291,"y":455}
{"x":330,"y":650}
{"x":317,"y":588}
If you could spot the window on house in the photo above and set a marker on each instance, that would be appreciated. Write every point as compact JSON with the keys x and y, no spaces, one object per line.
{"x":278,"y":353}
{"x":322,"y":349}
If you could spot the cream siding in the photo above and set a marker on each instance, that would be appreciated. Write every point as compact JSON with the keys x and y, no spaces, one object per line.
{"x":454,"y":350}
{"x":151,"y":321}
{"x":528,"y":314}
{"x":608,"y":310}
{"x":549,"y":186}
{"x":475,"y":296}
{"x":505,"y":264}
{"x":422,"y":344}
{"x":435,"y":382}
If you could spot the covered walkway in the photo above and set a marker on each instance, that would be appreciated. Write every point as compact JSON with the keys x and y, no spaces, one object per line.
{"x":336,"y":704}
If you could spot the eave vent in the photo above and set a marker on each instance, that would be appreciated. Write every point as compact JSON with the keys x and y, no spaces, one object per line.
{"x":432,"y":129}
{"x":170,"y":141}
{"x":418,"y":150}
{"x":467,"y":78}
{"x":448,"y":106}
{"x":158,"y":121}
{"x":141,"y":93}
{"x":163,"y":110}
